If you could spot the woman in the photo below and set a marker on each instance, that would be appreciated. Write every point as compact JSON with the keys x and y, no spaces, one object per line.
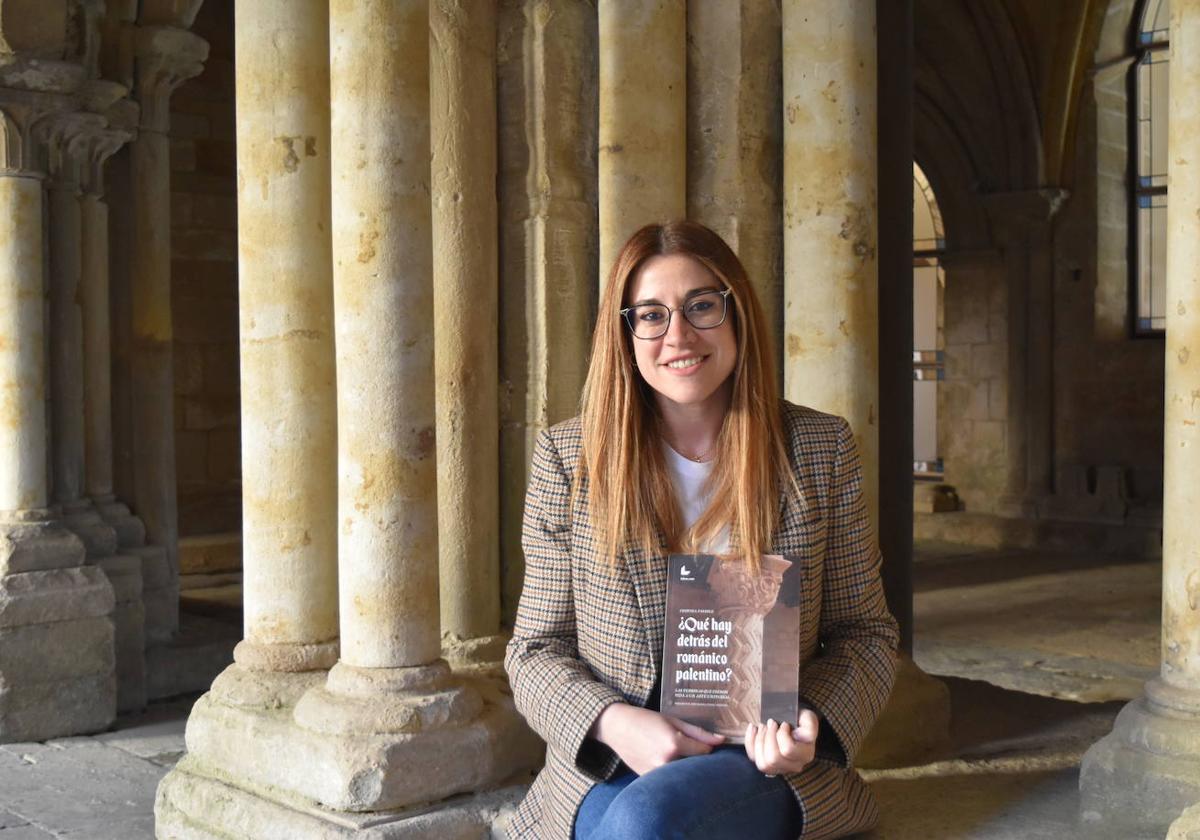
{"x":683,"y":445}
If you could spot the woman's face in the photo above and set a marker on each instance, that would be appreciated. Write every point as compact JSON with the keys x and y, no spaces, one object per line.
{"x":686,"y":366}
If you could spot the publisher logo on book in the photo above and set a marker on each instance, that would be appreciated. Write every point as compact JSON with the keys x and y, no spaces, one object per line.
{"x":685,"y":573}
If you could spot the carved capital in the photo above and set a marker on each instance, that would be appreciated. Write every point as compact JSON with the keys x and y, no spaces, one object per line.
{"x":165,"y":58}
{"x":22,"y":118}
{"x":64,"y":136}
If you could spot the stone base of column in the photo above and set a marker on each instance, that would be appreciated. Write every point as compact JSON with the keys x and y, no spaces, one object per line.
{"x":84,"y":521}
{"x":160,"y":594}
{"x":57,"y":668}
{"x":131,"y":531}
{"x":1144,"y":773}
{"x":354,"y":753}
{"x":192,"y":804}
{"x":129,"y":618}
{"x":915,"y":725}
{"x":486,"y":652}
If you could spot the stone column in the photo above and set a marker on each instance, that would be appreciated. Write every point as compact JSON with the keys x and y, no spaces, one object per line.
{"x":56,"y":634}
{"x":1025,"y":223}
{"x":164,"y":58}
{"x":546,"y":59}
{"x":66,"y":137}
{"x":1146,"y":772}
{"x":831,"y":321}
{"x":125,"y":568}
{"x":289,"y":432}
{"x":643,"y":118}
{"x":735,"y":135}
{"x":465,"y":313}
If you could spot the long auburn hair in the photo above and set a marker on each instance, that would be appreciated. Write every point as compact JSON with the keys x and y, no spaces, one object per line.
{"x":630,"y":496}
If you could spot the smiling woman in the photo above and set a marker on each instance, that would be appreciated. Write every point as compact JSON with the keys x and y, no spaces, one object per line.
{"x":683,"y":446}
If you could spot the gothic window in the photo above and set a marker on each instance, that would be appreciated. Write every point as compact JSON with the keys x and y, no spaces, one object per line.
{"x":928,"y":283}
{"x":1150,"y":166}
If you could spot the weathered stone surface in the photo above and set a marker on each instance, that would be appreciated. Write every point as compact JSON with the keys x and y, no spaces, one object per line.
{"x":1187,"y":826}
{"x":79,"y":787}
{"x":62,"y":650}
{"x":29,"y":546}
{"x":191,"y":805}
{"x":287,"y":333}
{"x":265,"y":690}
{"x":1143,"y":774}
{"x":32,"y":711}
{"x":55,"y":595}
{"x":360,"y":772}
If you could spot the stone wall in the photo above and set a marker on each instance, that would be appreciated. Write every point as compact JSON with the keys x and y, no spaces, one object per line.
{"x":973,"y":399}
{"x":204,"y":286}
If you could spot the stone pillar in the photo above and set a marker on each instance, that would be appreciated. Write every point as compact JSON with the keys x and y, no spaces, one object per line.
{"x":546,"y":60}
{"x":391,"y":704}
{"x":1143,"y":774}
{"x":56,"y":633}
{"x":735,"y":134}
{"x":831,"y":359}
{"x":66,"y":137}
{"x":465,"y":313}
{"x":643,"y":118}
{"x":1025,"y":222}
{"x":125,"y":568}
{"x":289,"y":430}
{"x":165,"y":57}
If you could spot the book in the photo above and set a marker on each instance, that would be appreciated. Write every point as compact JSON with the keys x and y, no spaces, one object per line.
{"x":731,"y":644}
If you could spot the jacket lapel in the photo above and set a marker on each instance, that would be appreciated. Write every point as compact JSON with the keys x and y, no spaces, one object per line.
{"x":648,"y":574}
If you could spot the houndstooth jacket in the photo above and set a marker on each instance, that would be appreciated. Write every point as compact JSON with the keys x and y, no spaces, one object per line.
{"x":585,"y":636}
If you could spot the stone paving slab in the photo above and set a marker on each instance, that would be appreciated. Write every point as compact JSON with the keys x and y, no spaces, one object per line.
{"x":77,"y":788}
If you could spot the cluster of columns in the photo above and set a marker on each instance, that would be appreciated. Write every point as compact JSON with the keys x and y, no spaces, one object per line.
{"x":84,"y":596}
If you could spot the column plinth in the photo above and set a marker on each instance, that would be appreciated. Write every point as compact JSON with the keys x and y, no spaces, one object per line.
{"x":1144,"y":773}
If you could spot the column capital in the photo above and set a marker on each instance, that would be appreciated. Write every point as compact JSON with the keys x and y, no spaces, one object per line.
{"x":166,"y":57}
{"x":97,"y":144}
{"x":64,"y":136}
{"x":24,"y":117}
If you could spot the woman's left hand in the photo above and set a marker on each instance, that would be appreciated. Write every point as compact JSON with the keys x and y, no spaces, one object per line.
{"x":781,"y":748}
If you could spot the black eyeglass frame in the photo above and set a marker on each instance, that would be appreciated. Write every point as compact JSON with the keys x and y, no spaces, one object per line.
{"x":724,"y":293}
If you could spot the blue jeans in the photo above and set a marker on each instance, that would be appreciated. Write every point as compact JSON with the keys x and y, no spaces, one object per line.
{"x":715,"y":796}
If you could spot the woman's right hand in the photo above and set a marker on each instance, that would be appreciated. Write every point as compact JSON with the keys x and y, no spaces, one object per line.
{"x":645,"y":739}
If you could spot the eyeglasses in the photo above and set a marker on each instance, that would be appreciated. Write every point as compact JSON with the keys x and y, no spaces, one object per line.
{"x":703,"y":311}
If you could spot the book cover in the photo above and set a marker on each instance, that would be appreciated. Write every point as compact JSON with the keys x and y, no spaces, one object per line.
{"x":731,"y":646}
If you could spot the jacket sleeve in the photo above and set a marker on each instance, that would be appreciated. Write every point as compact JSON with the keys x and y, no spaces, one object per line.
{"x":553,"y":688}
{"x":849,"y":681}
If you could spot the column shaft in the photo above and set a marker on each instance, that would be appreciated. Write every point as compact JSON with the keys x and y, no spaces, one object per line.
{"x":66,"y":337}
{"x":735,"y":135}
{"x":830,"y":217}
{"x":548,"y":180}
{"x":97,"y":350}
{"x":152,"y":372}
{"x":22,"y":359}
{"x":643,"y":118}
{"x":387,"y":504}
{"x":463,"y":105}
{"x":1181,"y":443}
{"x":286,"y":314}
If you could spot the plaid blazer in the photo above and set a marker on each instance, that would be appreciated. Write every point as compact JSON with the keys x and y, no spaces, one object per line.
{"x":585,"y":637}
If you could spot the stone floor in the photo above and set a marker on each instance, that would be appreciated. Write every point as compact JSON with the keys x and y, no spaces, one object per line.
{"x":1022,"y":638}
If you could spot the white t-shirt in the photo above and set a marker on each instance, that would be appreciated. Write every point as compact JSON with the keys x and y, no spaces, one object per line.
{"x":688,"y":478}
